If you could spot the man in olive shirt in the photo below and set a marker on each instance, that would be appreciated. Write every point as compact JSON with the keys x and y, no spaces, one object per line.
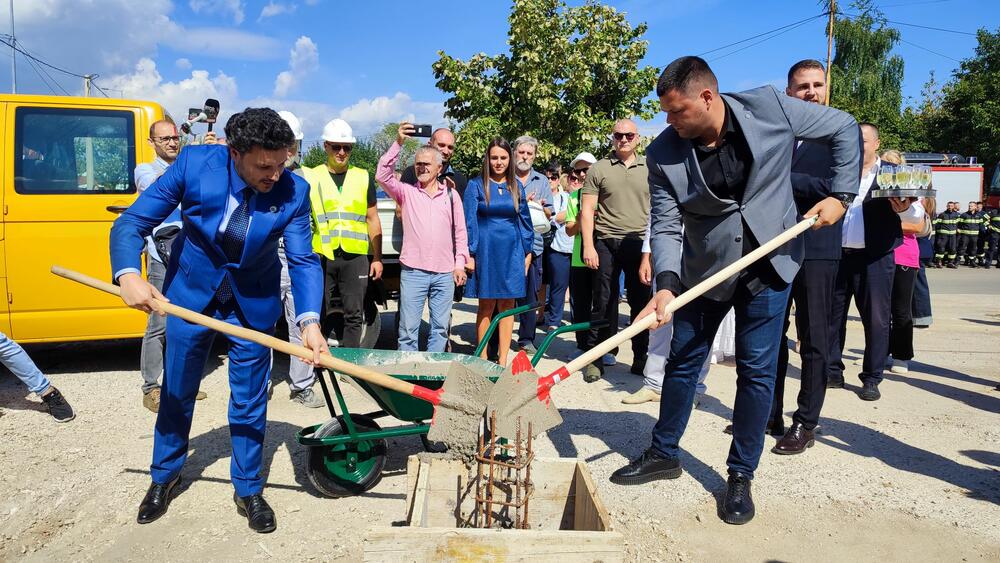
{"x":617,"y":190}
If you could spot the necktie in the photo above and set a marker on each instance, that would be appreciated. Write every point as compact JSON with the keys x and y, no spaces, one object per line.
{"x":232,"y":242}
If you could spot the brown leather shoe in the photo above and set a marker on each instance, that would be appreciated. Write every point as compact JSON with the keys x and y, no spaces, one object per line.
{"x":795,"y":441}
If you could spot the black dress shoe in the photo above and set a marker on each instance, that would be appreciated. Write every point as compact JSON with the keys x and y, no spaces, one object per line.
{"x":258,"y":512}
{"x":795,"y":441}
{"x":835,"y":383}
{"x":737,"y":507}
{"x":869,"y":392}
{"x":155,"y":503}
{"x":650,"y":466}
{"x":773,"y":428}
{"x":638,"y":367}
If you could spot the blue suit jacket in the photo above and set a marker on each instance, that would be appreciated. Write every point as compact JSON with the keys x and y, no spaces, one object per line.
{"x":199,"y":182}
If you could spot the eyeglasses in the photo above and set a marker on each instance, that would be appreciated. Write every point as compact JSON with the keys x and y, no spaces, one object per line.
{"x":337,"y":148}
{"x":421,"y":164}
{"x":580,"y":171}
{"x":165,"y":140}
{"x":626,"y":136}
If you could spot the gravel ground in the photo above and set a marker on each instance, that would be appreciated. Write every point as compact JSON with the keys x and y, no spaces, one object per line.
{"x":915,"y":476}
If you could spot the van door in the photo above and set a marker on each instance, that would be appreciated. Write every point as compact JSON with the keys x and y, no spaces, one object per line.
{"x":4,"y":312}
{"x":72,"y":174}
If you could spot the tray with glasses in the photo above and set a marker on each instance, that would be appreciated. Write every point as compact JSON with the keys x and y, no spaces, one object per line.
{"x":904,"y":180}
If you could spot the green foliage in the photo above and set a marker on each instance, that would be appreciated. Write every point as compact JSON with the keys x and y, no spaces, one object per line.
{"x":571,"y":72}
{"x":109,"y":161}
{"x":968,"y":118}
{"x":367,"y":150}
{"x":866,"y":80}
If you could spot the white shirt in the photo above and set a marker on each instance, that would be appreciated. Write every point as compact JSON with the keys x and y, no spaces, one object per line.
{"x":854,"y":218}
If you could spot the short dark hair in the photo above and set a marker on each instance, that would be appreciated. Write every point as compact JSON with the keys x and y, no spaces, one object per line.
{"x":804,"y":64}
{"x":685,"y":72}
{"x":258,"y":127}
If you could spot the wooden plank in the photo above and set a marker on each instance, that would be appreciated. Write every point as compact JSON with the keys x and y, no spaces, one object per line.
{"x":589,"y":512}
{"x":447,"y":544}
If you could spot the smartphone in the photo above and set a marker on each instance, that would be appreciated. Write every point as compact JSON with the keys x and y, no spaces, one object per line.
{"x":421,"y":131}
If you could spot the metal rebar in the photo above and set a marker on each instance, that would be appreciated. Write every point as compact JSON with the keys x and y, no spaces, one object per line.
{"x":492,"y":462}
{"x":527,"y":477}
{"x":479,"y":484}
{"x":517,"y":476}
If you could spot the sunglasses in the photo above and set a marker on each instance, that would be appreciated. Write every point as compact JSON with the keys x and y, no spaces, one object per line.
{"x":626,"y":136}
{"x":552,"y":176}
{"x":580,"y":171}
{"x":337,"y":148}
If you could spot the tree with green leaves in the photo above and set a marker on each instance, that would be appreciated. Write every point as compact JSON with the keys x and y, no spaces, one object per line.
{"x":367,"y":150}
{"x":968,"y":121}
{"x":570,"y":73}
{"x":866,"y":79}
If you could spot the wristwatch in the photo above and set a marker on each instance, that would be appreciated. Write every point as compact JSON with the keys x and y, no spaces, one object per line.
{"x":845,"y":199}
{"x":307,"y":322}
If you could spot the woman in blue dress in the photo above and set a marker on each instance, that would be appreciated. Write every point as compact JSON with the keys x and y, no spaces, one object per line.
{"x":500,"y":239}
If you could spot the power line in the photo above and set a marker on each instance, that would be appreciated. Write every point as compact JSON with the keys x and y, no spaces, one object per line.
{"x":956,"y":31}
{"x":751,"y":38}
{"x":800,"y":24}
{"x":15,"y":45}
{"x":929,"y":50}
{"x":908,"y":4}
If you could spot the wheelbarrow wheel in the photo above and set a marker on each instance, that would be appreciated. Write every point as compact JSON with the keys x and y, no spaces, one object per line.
{"x":346,"y":469}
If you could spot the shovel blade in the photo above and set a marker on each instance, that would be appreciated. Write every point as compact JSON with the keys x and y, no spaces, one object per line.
{"x":514,"y":396}
{"x":457,"y":417}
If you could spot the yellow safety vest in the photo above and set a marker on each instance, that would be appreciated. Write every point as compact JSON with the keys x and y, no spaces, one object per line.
{"x":339,"y":214}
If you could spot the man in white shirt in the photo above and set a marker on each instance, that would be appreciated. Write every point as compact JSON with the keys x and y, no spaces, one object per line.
{"x":871,"y":231}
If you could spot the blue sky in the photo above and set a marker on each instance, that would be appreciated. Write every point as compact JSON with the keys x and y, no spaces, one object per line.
{"x":371,"y":62}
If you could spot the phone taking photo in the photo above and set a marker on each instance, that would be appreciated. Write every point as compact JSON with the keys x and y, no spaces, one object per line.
{"x":421,"y":131}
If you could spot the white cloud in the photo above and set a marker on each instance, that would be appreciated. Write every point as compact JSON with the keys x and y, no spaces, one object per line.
{"x":226,"y":43}
{"x":183,"y":64}
{"x":215,"y":8}
{"x":303,"y":61}
{"x":368,"y":115}
{"x":273,"y":8}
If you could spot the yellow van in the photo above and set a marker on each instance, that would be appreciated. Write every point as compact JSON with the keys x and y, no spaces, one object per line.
{"x":68,"y":171}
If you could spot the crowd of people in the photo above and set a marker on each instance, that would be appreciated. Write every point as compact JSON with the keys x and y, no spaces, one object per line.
{"x":729,"y":173}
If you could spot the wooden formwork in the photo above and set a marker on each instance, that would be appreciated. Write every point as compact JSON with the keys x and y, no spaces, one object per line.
{"x":567,"y":518}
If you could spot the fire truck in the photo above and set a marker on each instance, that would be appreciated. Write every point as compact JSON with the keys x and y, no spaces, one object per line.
{"x":961,"y":179}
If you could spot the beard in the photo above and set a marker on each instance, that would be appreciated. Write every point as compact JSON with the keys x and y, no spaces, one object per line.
{"x":523,"y":166}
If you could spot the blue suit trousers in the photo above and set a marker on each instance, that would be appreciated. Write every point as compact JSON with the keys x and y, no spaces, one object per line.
{"x":188,"y":346}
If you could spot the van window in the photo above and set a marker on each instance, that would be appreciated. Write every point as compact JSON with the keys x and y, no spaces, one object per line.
{"x":66,"y":150}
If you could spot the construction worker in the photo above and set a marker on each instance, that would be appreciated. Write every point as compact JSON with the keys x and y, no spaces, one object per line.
{"x":945,"y":235}
{"x":968,"y":235}
{"x":345,"y":220}
{"x":993,"y":243}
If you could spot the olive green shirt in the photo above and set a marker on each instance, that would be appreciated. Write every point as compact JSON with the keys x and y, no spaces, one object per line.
{"x":622,"y":197}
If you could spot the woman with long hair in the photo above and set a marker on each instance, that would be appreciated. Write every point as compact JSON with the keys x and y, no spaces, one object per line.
{"x":500,"y":241}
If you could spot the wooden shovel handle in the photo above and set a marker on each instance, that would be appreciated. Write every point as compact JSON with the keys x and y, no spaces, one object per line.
{"x":326,"y":360}
{"x":683,"y":299}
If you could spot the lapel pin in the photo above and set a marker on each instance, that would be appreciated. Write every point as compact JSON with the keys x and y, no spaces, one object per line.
{"x":274,"y":209}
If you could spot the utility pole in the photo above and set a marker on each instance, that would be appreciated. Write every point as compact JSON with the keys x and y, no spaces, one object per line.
{"x":829,"y":48}
{"x":13,"y":52}
{"x":87,"y":79}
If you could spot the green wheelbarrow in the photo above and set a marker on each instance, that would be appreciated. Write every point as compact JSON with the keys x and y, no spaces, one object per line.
{"x":347,"y":453}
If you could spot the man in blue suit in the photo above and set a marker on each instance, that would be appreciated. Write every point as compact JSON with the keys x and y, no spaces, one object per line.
{"x":236,"y":202}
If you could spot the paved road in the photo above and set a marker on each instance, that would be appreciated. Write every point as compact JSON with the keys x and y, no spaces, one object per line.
{"x":964,"y":281}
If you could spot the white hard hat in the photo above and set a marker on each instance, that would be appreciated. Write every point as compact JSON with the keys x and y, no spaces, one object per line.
{"x":583,"y":157}
{"x":338,"y":131}
{"x":292,"y":122}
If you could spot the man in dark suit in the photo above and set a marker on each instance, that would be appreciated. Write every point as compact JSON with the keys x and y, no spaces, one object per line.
{"x":236,"y":202}
{"x":871,"y":231}
{"x":812,"y":290}
{"x":722,"y":171}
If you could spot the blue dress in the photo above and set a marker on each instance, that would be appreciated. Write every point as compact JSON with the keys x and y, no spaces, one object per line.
{"x":499,"y":239}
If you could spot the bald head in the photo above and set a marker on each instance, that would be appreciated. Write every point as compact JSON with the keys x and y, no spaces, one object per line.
{"x":625,"y":138}
{"x":443,"y":140}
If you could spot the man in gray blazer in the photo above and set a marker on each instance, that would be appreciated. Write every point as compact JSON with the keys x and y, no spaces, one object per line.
{"x":722,"y":172}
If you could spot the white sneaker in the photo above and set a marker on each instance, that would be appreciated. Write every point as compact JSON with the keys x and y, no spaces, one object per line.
{"x":643,"y":395}
{"x":900,"y":366}
{"x":609,"y":360}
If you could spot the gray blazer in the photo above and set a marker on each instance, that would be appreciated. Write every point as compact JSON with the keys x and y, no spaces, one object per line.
{"x":713,"y":227}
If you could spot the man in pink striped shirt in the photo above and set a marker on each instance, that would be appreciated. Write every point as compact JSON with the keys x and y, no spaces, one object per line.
{"x":435,"y":244}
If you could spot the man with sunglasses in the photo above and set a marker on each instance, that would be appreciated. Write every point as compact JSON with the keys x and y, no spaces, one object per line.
{"x":614,"y":211}
{"x":166,"y":144}
{"x":345,"y":219}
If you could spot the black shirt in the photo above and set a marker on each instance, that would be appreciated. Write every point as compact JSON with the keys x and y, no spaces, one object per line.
{"x":338,"y":179}
{"x":726,"y":167}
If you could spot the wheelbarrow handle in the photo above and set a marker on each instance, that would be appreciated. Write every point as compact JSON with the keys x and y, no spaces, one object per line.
{"x":681,"y":300}
{"x":271,"y":342}
{"x":496,"y":321}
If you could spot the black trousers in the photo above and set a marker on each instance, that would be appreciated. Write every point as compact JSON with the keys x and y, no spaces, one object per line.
{"x":992,"y":252}
{"x":812,"y":293}
{"x":944,"y":248}
{"x":967,"y":246}
{"x":581,"y":298}
{"x":868,"y":280}
{"x":349,"y":274}
{"x":616,"y":256}
{"x":901,"y":333}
